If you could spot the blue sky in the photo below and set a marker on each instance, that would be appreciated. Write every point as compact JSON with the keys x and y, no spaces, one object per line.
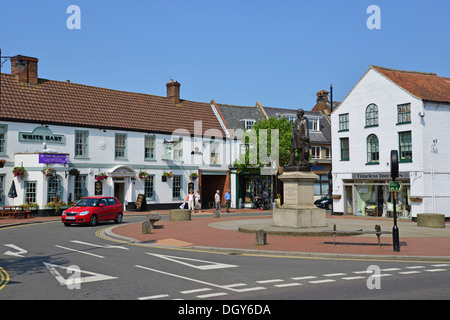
{"x":236,"y":52}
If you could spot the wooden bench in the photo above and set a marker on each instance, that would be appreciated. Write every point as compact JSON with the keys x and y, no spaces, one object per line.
{"x":15,"y":211}
{"x":378,"y":232}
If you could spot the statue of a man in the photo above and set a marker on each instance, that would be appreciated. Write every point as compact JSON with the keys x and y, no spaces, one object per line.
{"x":300,"y":140}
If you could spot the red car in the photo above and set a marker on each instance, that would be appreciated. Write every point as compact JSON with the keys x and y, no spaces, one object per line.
{"x":91,"y":210}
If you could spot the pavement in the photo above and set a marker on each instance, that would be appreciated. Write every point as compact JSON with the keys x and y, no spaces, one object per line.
{"x":234,"y":233}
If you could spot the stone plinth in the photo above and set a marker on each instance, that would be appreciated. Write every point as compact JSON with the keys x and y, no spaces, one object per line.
{"x":431,"y":220}
{"x":180,"y":215}
{"x":298,"y":210}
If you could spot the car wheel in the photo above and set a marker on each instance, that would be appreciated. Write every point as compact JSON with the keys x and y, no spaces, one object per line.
{"x":330,"y":206}
{"x":93,"y":221}
{"x":119,"y":218}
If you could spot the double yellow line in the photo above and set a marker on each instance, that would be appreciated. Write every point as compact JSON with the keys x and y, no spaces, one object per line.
{"x":4,"y":278}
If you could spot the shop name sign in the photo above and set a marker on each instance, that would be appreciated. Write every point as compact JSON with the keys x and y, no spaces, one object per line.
{"x":377,"y":175}
{"x":42,"y":134}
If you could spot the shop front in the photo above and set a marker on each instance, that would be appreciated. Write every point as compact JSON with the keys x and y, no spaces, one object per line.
{"x":252,"y":187}
{"x":367,"y":194}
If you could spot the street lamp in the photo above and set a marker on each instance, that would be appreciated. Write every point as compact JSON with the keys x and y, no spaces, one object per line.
{"x":19,"y":64}
{"x":394,"y":174}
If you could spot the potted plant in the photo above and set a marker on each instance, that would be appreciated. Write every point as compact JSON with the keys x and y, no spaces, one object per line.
{"x":101,"y":177}
{"x":166,"y":175}
{"x":74,"y":172}
{"x":57,"y":205}
{"x":19,"y":172}
{"x":193,"y":176}
{"x":143,"y":174}
{"x":49,"y":172}
{"x":2,"y":163}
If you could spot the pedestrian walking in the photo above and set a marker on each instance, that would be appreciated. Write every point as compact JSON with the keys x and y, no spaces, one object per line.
{"x":228,"y":200}
{"x":191,"y":201}
{"x":217,"y":200}
{"x":197,"y":201}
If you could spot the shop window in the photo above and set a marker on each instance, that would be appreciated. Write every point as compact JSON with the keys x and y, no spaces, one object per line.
{"x":372,"y":116}
{"x":404,"y":113}
{"x":149,"y":187}
{"x":121,"y":146}
{"x":345,"y":149}
{"x":373,"y":152}
{"x":81,"y":144}
{"x":405,"y":146}
{"x":30,"y":191}
{"x":343,"y":122}
{"x":176,"y":188}
{"x":54,"y":190}
{"x":321,"y":186}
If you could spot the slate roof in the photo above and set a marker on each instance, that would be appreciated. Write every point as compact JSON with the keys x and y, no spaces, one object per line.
{"x":426,"y":86}
{"x":65,"y":103}
{"x":233,"y":116}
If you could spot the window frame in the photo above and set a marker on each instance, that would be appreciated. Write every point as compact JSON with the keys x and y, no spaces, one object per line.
{"x":347,"y":149}
{"x":149,"y":187}
{"x":76,"y":143}
{"x":403,"y":114}
{"x":151,"y":147}
{"x":401,"y":149}
{"x":372,"y":116}
{"x":373,"y":150}
{"x":116,"y":146}
{"x":84,"y":191}
{"x":59,"y":192}
{"x":4,"y":141}
{"x":26,"y":191}
{"x":344,"y":121}
{"x":177,"y":188}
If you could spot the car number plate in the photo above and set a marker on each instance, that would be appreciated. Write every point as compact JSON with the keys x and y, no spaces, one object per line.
{"x":70,"y":218}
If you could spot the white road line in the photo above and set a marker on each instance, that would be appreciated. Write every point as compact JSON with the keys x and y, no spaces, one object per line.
{"x":322,"y":281}
{"x":409,"y":272}
{"x":362,"y":272}
{"x":211,"y":295}
{"x":83,"y":252}
{"x":415,"y":267}
{"x":269,"y":281}
{"x":154,"y":297}
{"x":284,"y":285}
{"x":234,"y":285}
{"x":304,"y":278}
{"x":353,"y":278}
{"x":435,"y":270}
{"x":99,"y":246}
{"x":195,"y":290}
{"x":334,"y":274}
{"x":391,"y":269}
{"x":441,"y":265}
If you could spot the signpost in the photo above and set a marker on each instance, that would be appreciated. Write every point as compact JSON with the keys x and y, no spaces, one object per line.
{"x":395,"y":187}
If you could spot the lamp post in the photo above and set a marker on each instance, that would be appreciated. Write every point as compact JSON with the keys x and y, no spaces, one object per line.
{"x":394,"y":174}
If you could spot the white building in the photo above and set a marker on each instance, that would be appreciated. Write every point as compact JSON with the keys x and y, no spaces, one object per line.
{"x":393,"y":110}
{"x":66,"y":126}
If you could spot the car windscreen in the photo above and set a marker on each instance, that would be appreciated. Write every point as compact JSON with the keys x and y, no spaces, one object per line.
{"x":87,"y":203}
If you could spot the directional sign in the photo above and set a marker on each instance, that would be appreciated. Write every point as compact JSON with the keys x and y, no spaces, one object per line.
{"x":20,"y":252}
{"x":194,"y":263}
{"x":395,"y":186}
{"x":70,"y":281}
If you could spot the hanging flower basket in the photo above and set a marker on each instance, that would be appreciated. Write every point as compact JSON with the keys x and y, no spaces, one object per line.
{"x":19,"y":172}
{"x":143,"y":174}
{"x":101,"y":177}
{"x":166,"y":175}
{"x":193,"y":176}
{"x":49,"y":172}
{"x":2,"y":163}
{"x":74,"y":172}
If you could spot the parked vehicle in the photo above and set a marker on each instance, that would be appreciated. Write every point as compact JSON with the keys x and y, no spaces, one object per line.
{"x":326,"y":202}
{"x":91,"y":210}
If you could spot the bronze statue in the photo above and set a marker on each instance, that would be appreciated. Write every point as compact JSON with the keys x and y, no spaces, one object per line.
{"x":300,"y":140}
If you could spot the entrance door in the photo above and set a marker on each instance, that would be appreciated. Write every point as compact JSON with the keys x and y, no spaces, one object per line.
{"x":119,"y":192}
{"x":348,"y":200}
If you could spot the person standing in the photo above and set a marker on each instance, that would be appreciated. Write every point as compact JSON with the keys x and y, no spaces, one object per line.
{"x":228,"y":200}
{"x":217,"y":200}
{"x":191,"y":201}
{"x":197,"y":201}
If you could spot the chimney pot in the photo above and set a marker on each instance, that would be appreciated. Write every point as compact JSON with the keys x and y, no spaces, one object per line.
{"x":173,"y":91}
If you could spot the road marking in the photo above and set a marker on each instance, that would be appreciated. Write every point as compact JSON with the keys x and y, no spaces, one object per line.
{"x":154,"y":297}
{"x":233,"y":285}
{"x":269,"y":281}
{"x":201,"y":264}
{"x":415,"y":267}
{"x":83,"y":252}
{"x":99,"y":246}
{"x":212,"y":295}
{"x":409,"y":272}
{"x":93,"y":276}
{"x":353,"y":278}
{"x":441,"y":265}
{"x":284,"y":285}
{"x":304,"y":278}
{"x":20,"y":252}
{"x":435,"y":270}
{"x":335,"y":275}
{"x":321,"y":281}
{"x":4,"y":278}
{"x":362,"y":272}
{"x":195,"y":290}
{"x":391,"y":269}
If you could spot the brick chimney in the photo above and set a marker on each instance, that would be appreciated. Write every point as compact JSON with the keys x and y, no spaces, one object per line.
{"x":173,"y":91}
{"x":27,"y":73}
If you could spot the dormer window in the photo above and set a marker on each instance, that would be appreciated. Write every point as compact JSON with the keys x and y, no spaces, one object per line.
{"x":248,"y":123}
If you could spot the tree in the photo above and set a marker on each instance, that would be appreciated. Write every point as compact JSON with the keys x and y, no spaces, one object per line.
{"x":268,"y":141}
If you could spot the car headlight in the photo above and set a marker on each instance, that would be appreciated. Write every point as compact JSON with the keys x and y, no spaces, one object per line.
{"x":84,"y":213}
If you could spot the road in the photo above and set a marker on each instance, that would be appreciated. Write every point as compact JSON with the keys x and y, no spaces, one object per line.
{"x":51,"y":262}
